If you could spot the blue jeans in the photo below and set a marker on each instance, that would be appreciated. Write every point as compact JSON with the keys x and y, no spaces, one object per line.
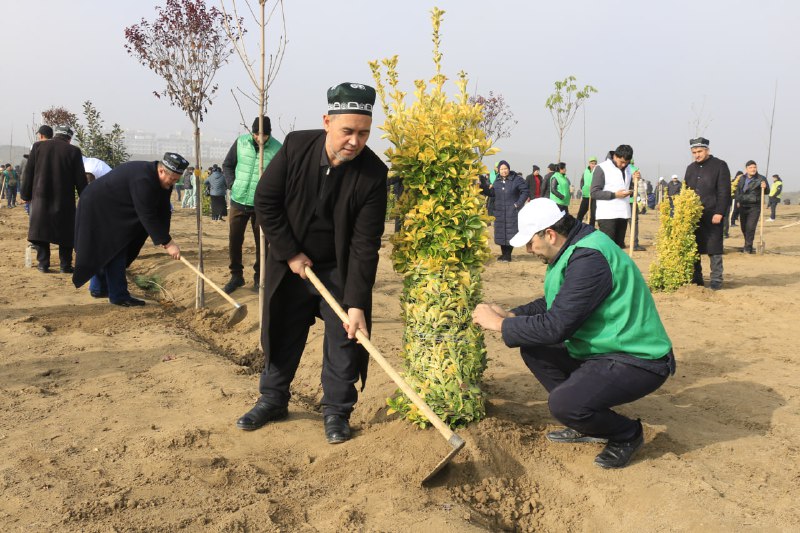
{"x":111,"y":279}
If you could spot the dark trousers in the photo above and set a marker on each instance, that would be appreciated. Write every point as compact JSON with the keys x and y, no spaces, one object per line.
{"x":726,"y":221}
{"x":716,"y":271}
{"x":178,"y":191}
{"x":582,"y":393}
{"x":300,"y":303}
{"x":11,"y":195}
{"x":748,"y":220}
{"x":735,"y":213}
{"x":43,"y":254}
{"x":773,"y":204}
{"x":111,"y":279}
{"x":238,"y":221}
{"x":584,"y":208}
{"x":217,"y":207}
{"x":615,"y":228}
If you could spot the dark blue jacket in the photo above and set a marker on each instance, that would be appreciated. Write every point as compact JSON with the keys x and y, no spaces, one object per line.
{"x":509,"y":197}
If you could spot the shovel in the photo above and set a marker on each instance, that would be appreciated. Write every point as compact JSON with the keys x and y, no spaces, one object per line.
{"x":634,"y":215}
{"x":239,"y":310}
{"x":761,"y":245}
{"x":454,"y":440}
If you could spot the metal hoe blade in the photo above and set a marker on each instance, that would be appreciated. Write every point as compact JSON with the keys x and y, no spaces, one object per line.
{"x":237,"y":315}
{"x":457,"y":443}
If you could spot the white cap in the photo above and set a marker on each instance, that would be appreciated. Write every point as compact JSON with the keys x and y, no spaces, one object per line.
{"x":538,"y":214}
{"x":674,"y":177}
{"x":661,"y":178}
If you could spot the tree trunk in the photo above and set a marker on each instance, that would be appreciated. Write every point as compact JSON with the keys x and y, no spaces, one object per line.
{"x":200,"y":297}
{"x":262,"y":258}
{"x":560,"y":143}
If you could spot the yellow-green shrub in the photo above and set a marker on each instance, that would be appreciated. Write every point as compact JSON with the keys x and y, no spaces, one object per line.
{"x":436,"y":150}
{"x":676,"y":247}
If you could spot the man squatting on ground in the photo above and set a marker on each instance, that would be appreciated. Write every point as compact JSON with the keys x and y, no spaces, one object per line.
{"x":115,"y":216}
{"x":594,"y":341}
{"x":710,"y":178}
{"x":321,"y":202}
{"x":241,"y":171}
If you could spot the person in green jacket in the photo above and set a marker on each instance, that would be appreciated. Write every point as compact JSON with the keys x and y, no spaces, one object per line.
{"x":595,"y":340}
{"x":559,"y":187}
{"x":587,"y":206}
{"x":774,"y":196}
{"x":241,"y":172}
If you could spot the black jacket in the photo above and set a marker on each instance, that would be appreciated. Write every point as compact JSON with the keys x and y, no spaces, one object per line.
{"x":752,"y":194}
{"x":285,"y":201}
{"x":711,"y":180}
{"x":53,"y":174}
{"x":118,"y":212}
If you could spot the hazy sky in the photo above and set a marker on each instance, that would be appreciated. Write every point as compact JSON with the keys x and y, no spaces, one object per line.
{"x":651,"y":62}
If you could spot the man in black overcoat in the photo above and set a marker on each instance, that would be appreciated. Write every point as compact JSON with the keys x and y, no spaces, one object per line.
{"x":115,"y":216}
{"x":52,"y":175}
{"x":321,"y":202}
{"x":710,"y":178}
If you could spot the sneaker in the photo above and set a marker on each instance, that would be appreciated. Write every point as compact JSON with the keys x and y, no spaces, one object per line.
{"x":715,"y":285}
{"x":770,"y":220}
{"x":619,"y":454}
{"x":235,"y":282}
{"x":569,"y":435}
{"x":66,"y":269}
{"x":637,"y":248}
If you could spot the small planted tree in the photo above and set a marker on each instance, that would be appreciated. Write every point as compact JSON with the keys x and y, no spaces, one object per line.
{"x":110,"y":147}
{"x":185,"y":46}
{"x":563,"y":105}
{"x":498,"y":119}
{"x":676,"y":246}
{"x":436,"y":150}
{"x":59,"y":116}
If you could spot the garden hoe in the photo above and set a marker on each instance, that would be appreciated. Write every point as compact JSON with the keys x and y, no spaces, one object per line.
{"x":239,"y":310}
{"x":454,"y":440}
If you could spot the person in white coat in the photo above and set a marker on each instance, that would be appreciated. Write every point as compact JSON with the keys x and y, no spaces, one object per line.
{"x":612,"y":186}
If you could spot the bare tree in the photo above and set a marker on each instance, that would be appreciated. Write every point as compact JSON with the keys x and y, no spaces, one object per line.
{"x":498,"y":119}
{"x":234,"y":27}
{"x":563,"y":105}
{"x":185,"y":45}
{"x":701,"y":120}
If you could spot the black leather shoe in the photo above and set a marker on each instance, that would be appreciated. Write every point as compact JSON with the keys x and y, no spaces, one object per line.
{"x":716,"y":285}
{"x":637,"y":248}
{"x":130,"y":302}
{"x":43,"y":269}
{"x":66,"y":270}
{"x":260,"y":414}
{"x":337,"y":429}
{"x":619,"y":454}
{"x":98,"y":294}
{"x":235,"y":282}
{"x":569,"y":435}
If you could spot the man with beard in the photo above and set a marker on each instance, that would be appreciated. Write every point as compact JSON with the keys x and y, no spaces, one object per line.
{"x":612,"y":186}
{"x":321,"y":203}
{"x":115,"y":216}
{"x":53,"y":174}
{"x":710,"y":178}
{"x":595,"y":340}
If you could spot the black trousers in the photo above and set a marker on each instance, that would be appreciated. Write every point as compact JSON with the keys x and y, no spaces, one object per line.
{"x":748,"y":220}
{"x":505,"y":251}
{"x":582,"y":393}
{"x":300,"y":303}
{"x":614,"y":228}
{"x":773,"y":205}
{"x":43,"y":254}
{"x":584,"y":208}
{"x":237,"y":225}
{"x":217,"y":207}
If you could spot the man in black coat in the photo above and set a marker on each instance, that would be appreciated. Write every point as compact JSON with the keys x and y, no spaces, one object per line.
{"x":53,"y":173}
{"x":710,"y":178}
{"x":115,"y":216}
{"x":321,"y":202}
{"x":749,"y":199}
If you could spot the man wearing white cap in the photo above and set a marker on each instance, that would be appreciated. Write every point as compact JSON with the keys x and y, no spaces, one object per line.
{"x":594,"y":340}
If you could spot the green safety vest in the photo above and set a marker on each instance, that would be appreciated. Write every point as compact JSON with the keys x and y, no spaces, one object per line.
{"x":247,"y":173}
{"x":626,"y":321}
{"x":563,"y":188}
{"x":586,"y":190}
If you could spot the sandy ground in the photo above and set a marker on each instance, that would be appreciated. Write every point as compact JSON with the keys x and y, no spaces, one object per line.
{"x":121,"y":419}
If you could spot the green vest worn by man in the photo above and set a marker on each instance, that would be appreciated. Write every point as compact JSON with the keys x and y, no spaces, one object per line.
{"x":586,"y":190}
{"x":563,"y":189}
{"x":247,"y":173}
{"x":627,"y":321}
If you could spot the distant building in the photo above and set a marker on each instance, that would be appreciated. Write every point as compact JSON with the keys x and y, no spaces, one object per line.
{"x":143,"y":145}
